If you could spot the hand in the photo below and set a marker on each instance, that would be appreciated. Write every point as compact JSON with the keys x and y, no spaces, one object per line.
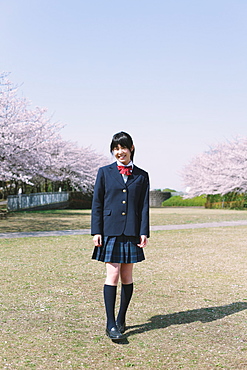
{"x":143,"y":241}
{"x":97,"y":239}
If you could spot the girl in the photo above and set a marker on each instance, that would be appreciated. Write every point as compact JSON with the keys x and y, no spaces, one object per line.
{"x":120,"y":226}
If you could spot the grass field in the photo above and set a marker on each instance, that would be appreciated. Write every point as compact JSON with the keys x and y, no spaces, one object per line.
{"x":80,"y":219}
{"x":189,"y":308}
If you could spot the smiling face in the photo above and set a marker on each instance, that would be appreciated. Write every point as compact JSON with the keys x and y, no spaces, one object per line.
{"x":122,"y":154}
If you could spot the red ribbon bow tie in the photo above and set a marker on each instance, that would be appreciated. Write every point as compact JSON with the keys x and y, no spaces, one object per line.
{"x":125,"y":170}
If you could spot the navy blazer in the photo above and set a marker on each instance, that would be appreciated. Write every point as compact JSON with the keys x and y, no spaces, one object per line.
{"x":118,"y":207}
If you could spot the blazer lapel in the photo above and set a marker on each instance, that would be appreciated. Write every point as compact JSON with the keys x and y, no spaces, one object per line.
{"x":135,"y":174}
{"x":115,"y":173}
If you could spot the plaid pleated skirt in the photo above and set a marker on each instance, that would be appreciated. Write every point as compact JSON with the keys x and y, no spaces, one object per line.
{"x":119,"y":249}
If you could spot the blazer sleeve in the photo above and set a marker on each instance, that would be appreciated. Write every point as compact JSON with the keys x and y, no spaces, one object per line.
{"x":98,"y":204}
{"x":144,"y":227}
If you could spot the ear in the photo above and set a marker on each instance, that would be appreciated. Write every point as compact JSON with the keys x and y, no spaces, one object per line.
{"x":132,"y":148}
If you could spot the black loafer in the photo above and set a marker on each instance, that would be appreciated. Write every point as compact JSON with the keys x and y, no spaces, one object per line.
{"x":114,"y":334}
{"x":121,"y":328}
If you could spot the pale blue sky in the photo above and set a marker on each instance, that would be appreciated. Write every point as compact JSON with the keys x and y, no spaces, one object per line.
{"x":171,"y":73}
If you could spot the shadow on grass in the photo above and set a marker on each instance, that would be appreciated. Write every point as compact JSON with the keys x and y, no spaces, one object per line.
{"x":207,"y":314}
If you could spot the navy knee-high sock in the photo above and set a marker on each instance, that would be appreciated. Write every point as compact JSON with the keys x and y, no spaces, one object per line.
{"x":126,"y":294}
{"x":110,"y":292}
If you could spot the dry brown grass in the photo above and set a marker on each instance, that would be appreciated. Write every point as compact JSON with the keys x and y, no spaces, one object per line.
{"x":46,"y":221}
{"x":186,"y":215}
{"x":80,"y":219}
{"x":188,"y":310}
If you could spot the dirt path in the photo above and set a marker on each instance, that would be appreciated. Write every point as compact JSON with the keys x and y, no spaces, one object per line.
{"x":153,"y":228}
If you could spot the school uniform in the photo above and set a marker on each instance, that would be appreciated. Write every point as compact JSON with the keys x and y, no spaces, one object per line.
{"x":120,"y":213}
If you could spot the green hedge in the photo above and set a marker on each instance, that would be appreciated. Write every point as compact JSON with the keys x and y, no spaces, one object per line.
{"x":177,"y":201}
{"x":231,"y":200}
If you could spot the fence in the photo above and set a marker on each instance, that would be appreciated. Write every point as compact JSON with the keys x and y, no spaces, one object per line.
{"x":37,"y":201}
{"x":75,"y":200}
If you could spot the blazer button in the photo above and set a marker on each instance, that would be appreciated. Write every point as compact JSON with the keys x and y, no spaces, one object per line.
{"x":124,"y":190}
{"x":123,"y":201}
{"x":123,"y":213}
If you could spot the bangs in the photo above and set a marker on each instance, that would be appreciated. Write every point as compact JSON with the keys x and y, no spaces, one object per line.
{"x":123,"y":142}
{"x":123,"y":139}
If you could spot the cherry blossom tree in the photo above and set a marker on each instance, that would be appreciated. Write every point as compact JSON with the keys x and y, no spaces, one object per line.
{"x":220,"y":170}
{"x":32,"y":150}
{"x":68,"y":163}
{"x":22,"y":133}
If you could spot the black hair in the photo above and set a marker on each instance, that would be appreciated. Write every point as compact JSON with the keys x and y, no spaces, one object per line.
{"x":124,"y":140}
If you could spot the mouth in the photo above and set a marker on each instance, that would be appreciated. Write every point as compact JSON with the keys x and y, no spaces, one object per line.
{"x":121,"y":156}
